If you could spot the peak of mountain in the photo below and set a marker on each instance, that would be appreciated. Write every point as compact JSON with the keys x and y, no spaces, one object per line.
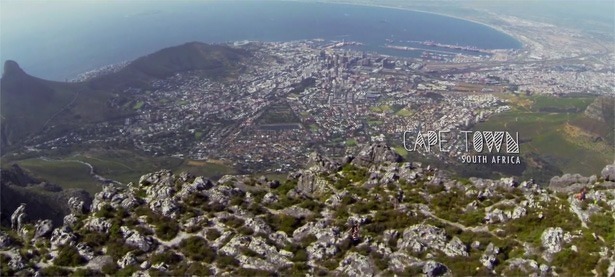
{"x":11,"y":68}
{"x":368,"y":215}
{"x":26,"y":102}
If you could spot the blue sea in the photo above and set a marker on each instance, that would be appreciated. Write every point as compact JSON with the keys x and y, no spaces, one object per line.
{"x":58,"y":40}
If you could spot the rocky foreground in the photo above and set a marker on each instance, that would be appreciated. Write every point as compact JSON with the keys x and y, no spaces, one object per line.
{"x":372,"y":214}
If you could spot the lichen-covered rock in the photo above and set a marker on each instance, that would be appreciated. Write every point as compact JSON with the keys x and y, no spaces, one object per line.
{"x":377,"y":153}
{"x":269,"y":198}
{"x":455,"y":247}
{"x":77,"y":206}
{"x":318,"y":163}
{"x":62,"y":236}
{"x":98,"y":262}
{"x":321,"y":250}
{"x":16,"y":261}
{"x":18,"y":217}
{"x":43,"y":228}
{"x":401,"y":261}
{"x":280,"y":238}
{"x":608,"y":173}
{"x":168,"y":207}
{"x":309,"y":183}
{"x":128,"y":260}
{"x":552,"y":239}
{"x":258,"y":225}
{"x":5,"y":240}
{"x":433,"y":268}
{"x":70,"y":220}
{"x":355,"y":264}
{"x":142,"y":242}
{"x":98,"y":224}
{"x":418,"y":238}
{"x":569,"y":182}
{"x":489,"y":258}
{"x":525,"y":265}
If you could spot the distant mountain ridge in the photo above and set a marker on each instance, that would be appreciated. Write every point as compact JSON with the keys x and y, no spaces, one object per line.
{"x":212,"y":60}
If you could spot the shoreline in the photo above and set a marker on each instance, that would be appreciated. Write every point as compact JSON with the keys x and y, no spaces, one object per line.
{"x":515,"y":36}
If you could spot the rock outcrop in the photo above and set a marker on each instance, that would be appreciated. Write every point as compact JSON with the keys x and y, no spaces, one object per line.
{"x":378,"y":153}
{"x":371,"y":215}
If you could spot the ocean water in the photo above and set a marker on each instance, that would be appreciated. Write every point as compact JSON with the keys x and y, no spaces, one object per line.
{"x":58,"y":40}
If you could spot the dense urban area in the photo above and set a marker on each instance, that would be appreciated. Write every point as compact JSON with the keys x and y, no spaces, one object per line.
{"x":295,"y":97}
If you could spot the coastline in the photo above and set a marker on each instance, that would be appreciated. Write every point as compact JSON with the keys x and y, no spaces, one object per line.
{"x":496,"y":28}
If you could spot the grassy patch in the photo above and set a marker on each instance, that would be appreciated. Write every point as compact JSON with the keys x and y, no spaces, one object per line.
{"x":67,"y":174}
{"x":542,"y":123}
{"x":138,"y":105}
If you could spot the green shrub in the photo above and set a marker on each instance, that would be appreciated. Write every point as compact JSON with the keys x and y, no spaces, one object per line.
{"x":379,"y":260}
{"x":167,"y":257}
{"x":463,"y":266}
{"x":197,"y":249}
{"x":298,"y":269}
{"x":604,"y":225}
{"x":286,"y":187}
{"x":196,"y":199}
{"x":245,"y":230}
{"x":117,"y":248}
{"x":365,"y":207}
{"x":572,"y":263}
{"x":283,"y":222}
{"x":249,"y":252}
{"x":115,"y":232}
{"x":284,"y":202}
{"x":106,"y":211}
{"x":300,"y":256}
{"x":68,"y":256}
{"x":256,"y":209}
{"x":85,"y":272}
{"x":237,"y":200}
{"x":258,"y":195}
{"x":4,"y":261}
{"x":434,"y":189}
{"x":309,"y":239}
{"x":167,"y":229}
{"x":354,"y":173}
{"x":331,"y":264}
{"x":389,"y":219}
{"x":54,"y":271}
{"x":311,"y":205}
{"x":212,"y":234}
{"x":225,"y":261}
{"x":472,"y":218}
{"x":94,"y":239}
{"x":109,"y":268}
{"x":233,"y":221}
{"x":191,"y":269}
{"x":253,"y":272}
{"x":127,"y":271}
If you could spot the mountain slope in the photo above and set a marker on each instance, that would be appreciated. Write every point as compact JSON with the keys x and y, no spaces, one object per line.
{"x":213,"y":61}
{"x":31,"y":105}
{"x":368,"y":215}
{"x":45,"y":200}
{"x":28,"y":102}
